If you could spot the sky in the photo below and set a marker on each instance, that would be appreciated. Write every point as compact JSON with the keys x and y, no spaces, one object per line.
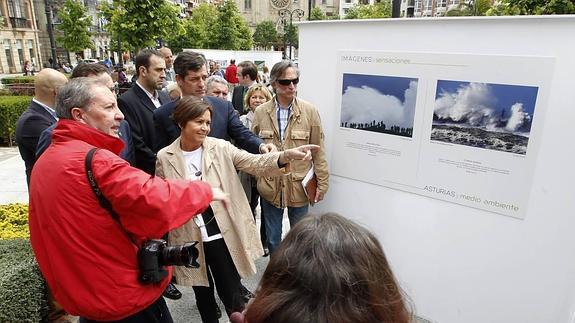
{"x":381,"y":98}
{"x":389,"y":85}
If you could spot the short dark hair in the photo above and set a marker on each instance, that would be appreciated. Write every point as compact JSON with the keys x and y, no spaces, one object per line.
{"x":91,"y":69}
{"x":328,"y":269}
{"x":188,"y":61}
{"x":188,"y":108}
{"x":280,"y":67}
{"x":232,"y":61}
{"x":143,"y":58}
{"x":249,"y":68}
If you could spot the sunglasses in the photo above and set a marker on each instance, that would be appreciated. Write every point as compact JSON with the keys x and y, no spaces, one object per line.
{"x":288,"y":82}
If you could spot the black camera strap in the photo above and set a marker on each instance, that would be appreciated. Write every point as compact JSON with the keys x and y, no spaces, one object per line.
{"x":101,"y":198}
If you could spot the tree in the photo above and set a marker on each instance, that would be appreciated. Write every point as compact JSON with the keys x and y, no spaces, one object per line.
{"x":533,"y":7}
{"x":140,"y":23}
{"x":197,"y":30}
{"x":230,"y":31}
{"x":380,"y":9}
{"x":317,"y":14}
{"x":477,"y":8}
{"x":266,"y":34}
{"x":75,"y":26}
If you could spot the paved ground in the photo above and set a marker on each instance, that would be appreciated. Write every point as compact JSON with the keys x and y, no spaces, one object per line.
{"x":13,"y":189}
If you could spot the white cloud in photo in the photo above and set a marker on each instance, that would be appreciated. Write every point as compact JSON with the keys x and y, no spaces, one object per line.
{"x":472,"y":103}
{"x":365,"y":104}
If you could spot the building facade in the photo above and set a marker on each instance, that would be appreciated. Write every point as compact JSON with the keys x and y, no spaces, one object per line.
{"x":345,"y":5}
{"x":19,"y":36}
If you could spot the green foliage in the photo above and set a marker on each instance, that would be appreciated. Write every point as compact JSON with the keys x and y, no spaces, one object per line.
{"x":291,"y":35}
{"x":140,"y":23}
{"x":75,"y":26}
{"x":533,"y":7}
{"x":478,"y":8}
{"x":196,"y":31}
{"x":14,"y":221}
{"x":18,"y":79}
{"x":380,"y":9}
{"x":22,"y":296}
{"x":11,"y":107}
{"x":266,"y":34}
{"x":230,"y":30}
{"x":317,"y":14}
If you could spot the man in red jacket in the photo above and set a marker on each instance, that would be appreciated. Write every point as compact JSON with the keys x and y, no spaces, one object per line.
{"x":231,"y":74}
{"x":89,"y":259}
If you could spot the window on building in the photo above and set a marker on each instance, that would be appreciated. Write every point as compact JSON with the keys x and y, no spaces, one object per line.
{"x":30,"y":43}
{"x":247,"y":4}
{"x":17,"y":14}
{"x":8,"y":51}
{"x":20,"y":51}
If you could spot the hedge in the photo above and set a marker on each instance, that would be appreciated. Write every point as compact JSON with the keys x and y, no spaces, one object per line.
{"x":11,"y":107}
{"x":22,"y":288}
{"x":18,"y":79}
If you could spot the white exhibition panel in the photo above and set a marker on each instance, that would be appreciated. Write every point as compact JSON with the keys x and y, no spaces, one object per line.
{"x":457,"y":263}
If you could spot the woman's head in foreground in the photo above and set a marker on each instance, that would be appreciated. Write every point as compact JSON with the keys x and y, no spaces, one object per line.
{"x":328,"y":269}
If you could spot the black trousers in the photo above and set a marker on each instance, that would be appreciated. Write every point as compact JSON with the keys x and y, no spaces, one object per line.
{"x":156,"y":313}
{"x":221,"y":267}
{"x":254,"y":201}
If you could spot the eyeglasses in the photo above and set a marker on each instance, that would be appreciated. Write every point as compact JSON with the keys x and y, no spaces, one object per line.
{"x":288,"y":82}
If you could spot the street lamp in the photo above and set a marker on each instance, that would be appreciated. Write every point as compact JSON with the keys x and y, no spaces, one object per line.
{"x":50,"y":25}
{"x":284,"y":14}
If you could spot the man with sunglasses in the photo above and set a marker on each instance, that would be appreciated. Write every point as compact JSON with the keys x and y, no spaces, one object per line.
{"x":288,"y":122}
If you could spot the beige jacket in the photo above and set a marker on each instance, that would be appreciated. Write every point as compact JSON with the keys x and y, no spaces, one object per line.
{"x":304,"y":127}
{"x":237,"y":225}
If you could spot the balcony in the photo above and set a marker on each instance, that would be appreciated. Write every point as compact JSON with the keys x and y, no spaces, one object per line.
{"x":20,"y":23}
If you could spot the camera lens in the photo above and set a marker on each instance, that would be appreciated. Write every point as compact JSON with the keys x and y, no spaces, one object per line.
{"x":182,"y":255}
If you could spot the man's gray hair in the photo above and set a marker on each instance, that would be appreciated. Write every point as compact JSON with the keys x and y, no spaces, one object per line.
{"x":215,"y":79}
{"x":280,"y":67}
{"x":77,"y":93}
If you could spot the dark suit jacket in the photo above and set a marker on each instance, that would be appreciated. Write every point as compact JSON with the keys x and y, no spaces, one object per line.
{"x":225,"y":125}
{"x":138,"y":110}
{"x":238,"y":99}
{"x":125,"y":134}
{"x":28,"y":129}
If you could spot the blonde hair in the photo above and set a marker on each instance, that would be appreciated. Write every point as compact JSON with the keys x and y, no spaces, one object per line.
{"x":257,"y":87}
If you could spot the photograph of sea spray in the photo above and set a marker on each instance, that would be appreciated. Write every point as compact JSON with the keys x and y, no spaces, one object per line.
{"x":484,"y":115}
{"x":384,"y":104}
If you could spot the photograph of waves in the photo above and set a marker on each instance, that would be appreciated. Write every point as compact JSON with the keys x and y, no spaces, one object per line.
{"x":484,"y":115}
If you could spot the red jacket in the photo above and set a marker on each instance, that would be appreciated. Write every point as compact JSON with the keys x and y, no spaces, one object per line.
{"x":231,"y":76}
{"x":85,"y":255}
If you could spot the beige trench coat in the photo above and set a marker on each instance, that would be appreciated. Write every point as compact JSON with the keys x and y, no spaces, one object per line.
{"x":237,"y":225}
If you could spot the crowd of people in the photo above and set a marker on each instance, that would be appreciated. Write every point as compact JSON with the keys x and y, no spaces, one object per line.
{"x":175,"y":158}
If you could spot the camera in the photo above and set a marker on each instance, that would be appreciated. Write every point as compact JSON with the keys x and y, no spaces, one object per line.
{"x":155,"y":254}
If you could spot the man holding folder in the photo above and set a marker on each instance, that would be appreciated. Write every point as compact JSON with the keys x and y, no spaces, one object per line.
{"x":288,"y":121}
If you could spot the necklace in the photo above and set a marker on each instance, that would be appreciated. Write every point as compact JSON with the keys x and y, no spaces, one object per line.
{"x":198,"y":172}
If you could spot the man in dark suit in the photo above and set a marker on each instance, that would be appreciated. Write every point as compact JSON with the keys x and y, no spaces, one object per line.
{"x":247,"y":76}
{"x":139,"y":103}
{"x":100,"y":72}
{"x":191,"y":75}
{"x":39,"y":115}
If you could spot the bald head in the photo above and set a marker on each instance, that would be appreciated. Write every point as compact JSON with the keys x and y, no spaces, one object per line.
{"x":46,"y":85}
{"x":167,"y":55}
